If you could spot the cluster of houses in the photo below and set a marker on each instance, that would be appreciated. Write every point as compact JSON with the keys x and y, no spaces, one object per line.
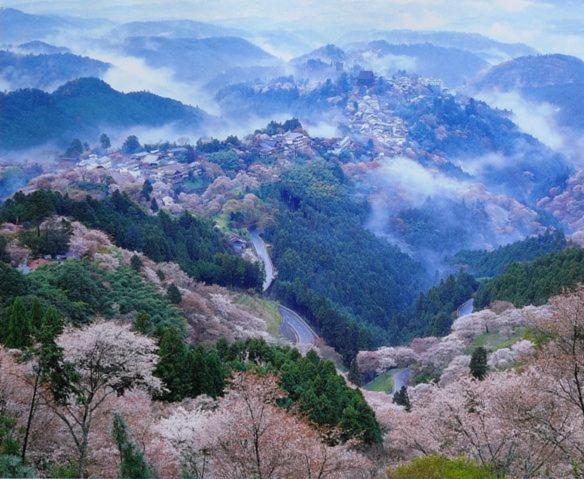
{"x":368,"y":116}
{"x":289,"y":143}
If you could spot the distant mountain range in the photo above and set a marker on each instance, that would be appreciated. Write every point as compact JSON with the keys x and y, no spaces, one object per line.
{"x":490,"y":50}
{"x":453,"y":66}
{"x":198,"y":60}
{"x":46,"y":71}
{"x":17,"y":26}
{"x":175,"y":29}
{"x":80,"y":109}
{"x":36,"y":47}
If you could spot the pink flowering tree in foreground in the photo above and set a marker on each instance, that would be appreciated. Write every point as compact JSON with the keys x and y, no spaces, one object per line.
{"x":98,"y":361}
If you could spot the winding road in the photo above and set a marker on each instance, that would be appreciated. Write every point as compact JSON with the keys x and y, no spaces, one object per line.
{"x":465,"y":308}
{"x":293,"y":327}
{"x":401,"y":377}
{"x":260,"y":248}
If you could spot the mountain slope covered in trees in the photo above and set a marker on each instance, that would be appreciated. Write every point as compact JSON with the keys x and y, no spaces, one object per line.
{"x":79,"y":109}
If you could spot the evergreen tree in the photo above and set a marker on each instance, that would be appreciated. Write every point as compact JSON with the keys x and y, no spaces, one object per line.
{"x":51,"y":325}
{"x":36,"y":314}
{"x":171,"y":368}
{"x":75,"y":149}
{"x":478,"y":363}
{"x":136,"y":263}
{"x":104,"y":141}
{"x":173,"y":294}
{"x":154,"y":205}
{"x":147,"y":189}
{"x":143,"y":323}
{"x":19,"y":328}
{"x":131,"y":145}
{"x":133,"y":464}
{"x":402,"y":398}
{"x":354,"y":374}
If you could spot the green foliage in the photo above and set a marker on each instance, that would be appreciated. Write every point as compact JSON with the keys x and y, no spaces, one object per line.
{"x":154,"y":205}
{"x":75,"y":149}
{"x":104,"y":141}
{"x":492,"y":263}
{"x":340,"y":329}
{"x":188,"y":371}
{"x":133,"y":464}
{"x":17,"y":325}
{"x":226,"y":159}
{"x":142,"y":323}
{"x":440,"y":467}
{"x":191,"y":241}
{"x":136,"y":263}
{"x":313,"y":385}
{"x":173,"y":294}
{"x":401,"y":398}
{"x":354,"y":374}
{"x":49,"y":240}
{"x":12,"y":466}
{"x":434,"y":310}
{"x":535,"y":282}
{"x":79,"y":290}
{"x":147,"y":189}
{"x":131,"y":145}
{"x":321,"y":241}
{"x":12,"y":283}
{"x":478,"y":363}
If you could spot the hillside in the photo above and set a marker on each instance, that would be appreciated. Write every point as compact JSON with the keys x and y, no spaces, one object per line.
{"x":484,"y":263}
{"x":533,"y":72}
{"x":197,"y":59}
{"x":46,"y":71}
{"x":535,"y":282}
{"x":454,"y":66}
{"x":79,"y":109}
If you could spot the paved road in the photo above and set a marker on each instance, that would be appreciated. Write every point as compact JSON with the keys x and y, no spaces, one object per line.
{"x":262,"y":252}
{"x":400,"y":378}
{"x":466,"y":308}
{"x":296,"y":329}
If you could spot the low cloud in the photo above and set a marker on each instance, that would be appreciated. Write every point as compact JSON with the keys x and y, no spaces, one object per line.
{"x":540,"y":120}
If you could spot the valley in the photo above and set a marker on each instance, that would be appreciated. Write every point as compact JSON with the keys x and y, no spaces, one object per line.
{"x":293,"y":241}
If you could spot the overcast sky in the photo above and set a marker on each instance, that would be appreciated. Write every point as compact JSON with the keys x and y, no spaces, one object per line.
{"x":547,"y":25}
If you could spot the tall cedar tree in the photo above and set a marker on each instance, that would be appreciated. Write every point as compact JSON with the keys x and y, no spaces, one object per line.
{"x":173,"y":294}
{"x":402,"y":398}
{"x":133,"y":464}
{"x":354,"y":374}
{"x":478,"y":363}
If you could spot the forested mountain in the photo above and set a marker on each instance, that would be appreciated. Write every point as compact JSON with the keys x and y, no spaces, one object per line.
{"x":197,"y":59}
{"x":320,"y":243}
{"x":537,"y":281}
{"x":190,"y":241}
{"x":452,"y":65}
{"x":533,"y":72}
{"x":492,"y":263}
{"x":37,"y":47}
{"x":46,"y":71}
{"x":549,"y":79}
{"x":78,"y":109}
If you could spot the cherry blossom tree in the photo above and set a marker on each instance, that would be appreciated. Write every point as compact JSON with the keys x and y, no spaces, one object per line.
{"x":98,"y":361}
